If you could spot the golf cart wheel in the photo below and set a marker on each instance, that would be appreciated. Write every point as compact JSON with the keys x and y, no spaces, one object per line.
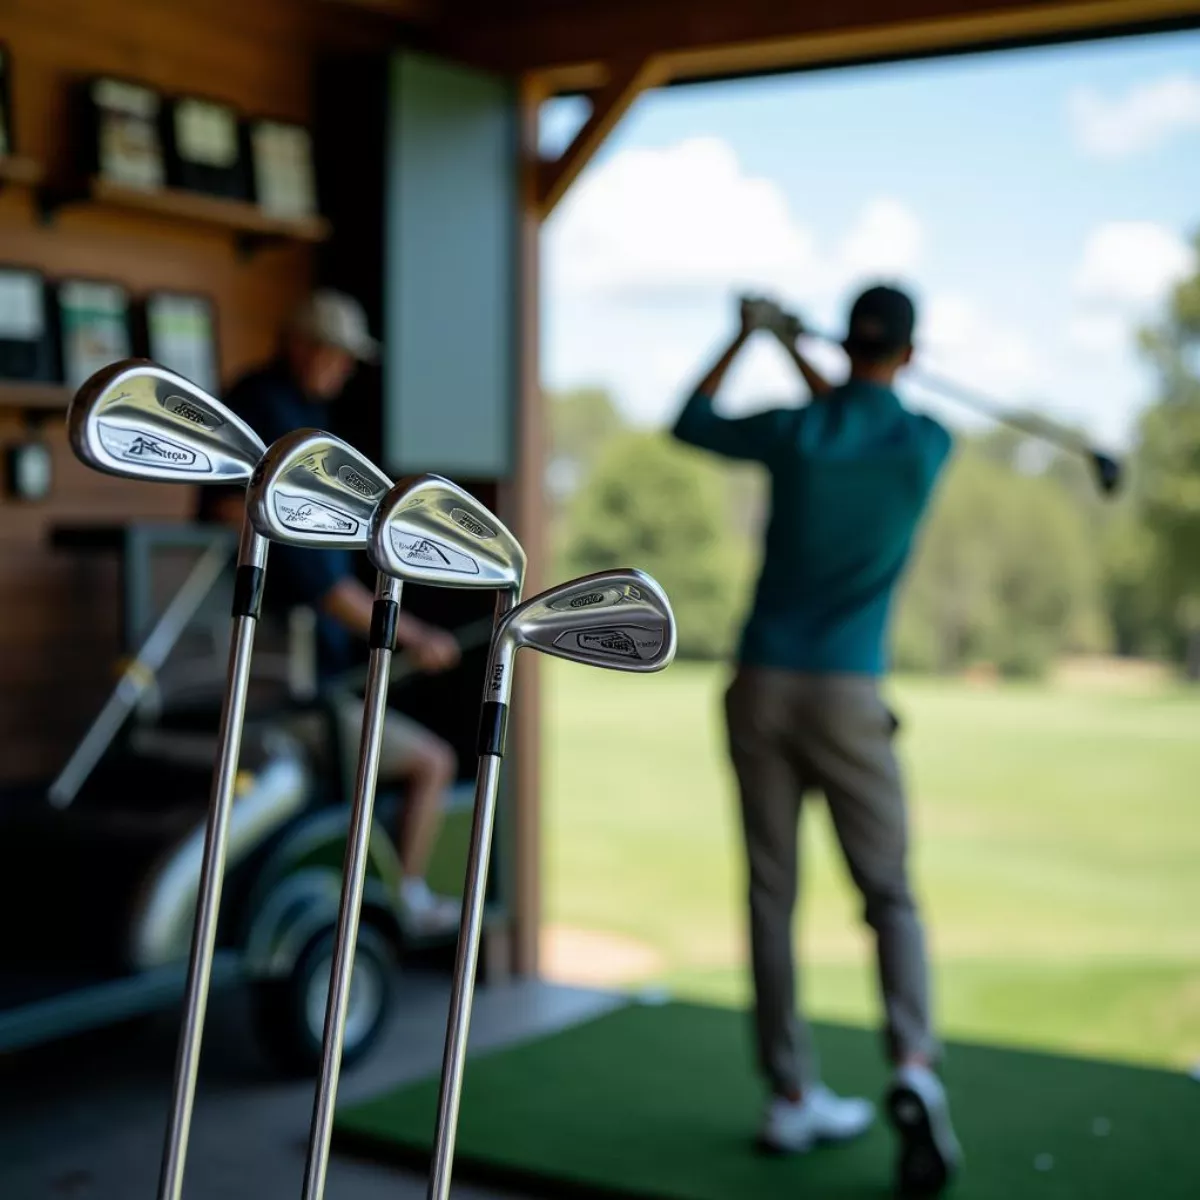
{"x":289,"y":1014}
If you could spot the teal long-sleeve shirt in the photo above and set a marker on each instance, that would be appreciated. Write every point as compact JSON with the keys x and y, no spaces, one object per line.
{"x":851,"y":474}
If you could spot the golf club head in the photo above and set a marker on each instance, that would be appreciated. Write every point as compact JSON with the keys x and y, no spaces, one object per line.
{"x":618,"y":619}
{"x":136,"y":419}
{"x":429,"y":530}
{"x":312,"y":489}
{"x":1108,"y":472}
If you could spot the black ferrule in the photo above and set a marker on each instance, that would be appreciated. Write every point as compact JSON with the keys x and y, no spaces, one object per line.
{"x":248,"y":591}
{"x":493,"y":724}
{"x":383,"y":624}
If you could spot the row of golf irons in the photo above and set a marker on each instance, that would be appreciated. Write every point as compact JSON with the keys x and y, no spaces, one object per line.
{"x":138,"y":420}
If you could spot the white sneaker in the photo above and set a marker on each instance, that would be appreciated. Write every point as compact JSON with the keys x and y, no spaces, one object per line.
{"x":929,"y":1151}
{"x":792,"y":1127}
{"x":424,"y":912}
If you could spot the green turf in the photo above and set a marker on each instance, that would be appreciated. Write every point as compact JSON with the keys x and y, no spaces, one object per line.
{"x":660,"y":1102}
{"x":1056,"y":843}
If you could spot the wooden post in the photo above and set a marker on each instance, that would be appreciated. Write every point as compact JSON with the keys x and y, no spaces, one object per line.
{"x":528,"y":506}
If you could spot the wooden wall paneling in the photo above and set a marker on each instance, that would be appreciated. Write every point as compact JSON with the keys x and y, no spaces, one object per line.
{"x":59,"y":618}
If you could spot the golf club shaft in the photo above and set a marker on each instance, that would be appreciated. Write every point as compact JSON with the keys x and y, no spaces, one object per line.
{"x":463,"y":988}
{"x":252,"y":559}
{"x":358,"y":845}
{"x":470,"y":933}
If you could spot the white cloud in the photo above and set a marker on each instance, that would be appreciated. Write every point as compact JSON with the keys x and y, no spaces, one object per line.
{"x":1142,"y":119}
{"x":887,"y":240}
{"x":1127,"y":265}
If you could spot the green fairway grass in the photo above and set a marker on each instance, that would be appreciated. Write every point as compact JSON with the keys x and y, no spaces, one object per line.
{"x":1056,"y":838}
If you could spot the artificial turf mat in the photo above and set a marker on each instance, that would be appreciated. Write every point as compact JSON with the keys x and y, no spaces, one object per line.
{"x":659,"y":1101}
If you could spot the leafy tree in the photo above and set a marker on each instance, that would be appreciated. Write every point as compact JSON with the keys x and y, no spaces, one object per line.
{"x":654,"y":504}
{"x":1168,"y":462}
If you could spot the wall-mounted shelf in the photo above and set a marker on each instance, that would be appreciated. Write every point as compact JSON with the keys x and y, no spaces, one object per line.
{"x":251,"y":227}
{"x":34,"y":397}
{"x":26,"y":172}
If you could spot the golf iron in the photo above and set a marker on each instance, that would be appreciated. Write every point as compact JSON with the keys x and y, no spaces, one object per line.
{"x":618,"y":619}
{"x":138,"y":420}
{"x":429,"y":531}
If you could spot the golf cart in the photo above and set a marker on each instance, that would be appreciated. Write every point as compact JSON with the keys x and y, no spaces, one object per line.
{"x":99,"y":871}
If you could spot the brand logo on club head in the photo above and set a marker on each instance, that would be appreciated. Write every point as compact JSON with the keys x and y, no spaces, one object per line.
{"x":497,"y":680}
{"x":180,"y":406}
{"x":311,"y":516}
{"x":357,"y":482}
{"x":474,"y":526}
{"x":616,"y":641}
{"x":425,"y":553}
{"x":151,"y":450}
{"x":586,"y":601}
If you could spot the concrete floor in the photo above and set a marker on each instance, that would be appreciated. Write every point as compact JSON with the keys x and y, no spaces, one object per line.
{"x":84,"y":1120}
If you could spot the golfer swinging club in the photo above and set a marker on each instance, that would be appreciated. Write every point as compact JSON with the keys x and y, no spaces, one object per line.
{"x":851,"y":474}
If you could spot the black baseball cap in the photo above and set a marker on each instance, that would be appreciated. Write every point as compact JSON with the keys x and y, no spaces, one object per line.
{"x":881,"y":321}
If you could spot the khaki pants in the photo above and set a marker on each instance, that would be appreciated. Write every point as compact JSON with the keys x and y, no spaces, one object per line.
{"x":789,"y":733}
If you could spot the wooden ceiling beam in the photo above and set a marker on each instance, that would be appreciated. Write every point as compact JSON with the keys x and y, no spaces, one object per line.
{"x":712,"y":38}
{"x":627,"y":79}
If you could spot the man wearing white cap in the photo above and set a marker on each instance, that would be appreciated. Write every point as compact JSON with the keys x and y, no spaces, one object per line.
{"x":325,"y":340}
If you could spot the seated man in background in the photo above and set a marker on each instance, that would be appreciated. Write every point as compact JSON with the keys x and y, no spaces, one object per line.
{"x":321,"y":346}
{"x":851,"y":476}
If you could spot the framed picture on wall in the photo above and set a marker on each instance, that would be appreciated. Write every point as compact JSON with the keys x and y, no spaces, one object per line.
{"x":6,"y":125}
{"x":123,"y":138}
{"x":206,"y":149}
{"x":282,"y":155}
{"x":26,"y":331}
{"x":179,"y":330}
{"x":93,"y":326}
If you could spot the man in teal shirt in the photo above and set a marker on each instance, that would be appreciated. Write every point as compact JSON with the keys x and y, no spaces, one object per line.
{"x":851,"y":475}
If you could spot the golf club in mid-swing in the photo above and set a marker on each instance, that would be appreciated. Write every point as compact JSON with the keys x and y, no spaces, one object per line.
{"x":1106,"y":469}
{"x":138,"y":420}
{"x":618,"y":619}
{"x":425,"y":530}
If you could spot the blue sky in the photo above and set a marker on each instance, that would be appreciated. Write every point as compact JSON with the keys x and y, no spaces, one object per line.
{"x":1038,"y":202}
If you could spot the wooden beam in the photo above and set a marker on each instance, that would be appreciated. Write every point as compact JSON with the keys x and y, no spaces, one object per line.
{"x":627,"y":79}
{"x":714,"y":38}
{"x":524,"y":501}
{"x":420,"y":12}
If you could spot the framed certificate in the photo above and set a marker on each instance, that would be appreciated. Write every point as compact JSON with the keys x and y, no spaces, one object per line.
{"x":284,"y":183}
{"x":180,"y":332}
{"x":93,"y":323}
{"x":124,"y":138}
{"x":206,"y":148}
{"x":6,"y":126}
{"x":26,"y":333}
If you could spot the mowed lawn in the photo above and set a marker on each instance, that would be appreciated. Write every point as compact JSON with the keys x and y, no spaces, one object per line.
{"x":1057,"y":853}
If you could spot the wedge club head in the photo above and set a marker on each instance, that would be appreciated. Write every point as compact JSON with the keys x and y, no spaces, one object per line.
{"x":312,"y":489}
{"x":620,"y":619}
{"x":138,"y":420}
{"x":429,"y":530}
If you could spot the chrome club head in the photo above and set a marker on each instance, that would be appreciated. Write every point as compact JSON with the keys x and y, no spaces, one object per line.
{"x":618,"y":619}
{"x":139,"y":420}
{"x":429,"y":530}
{"x":312,"y":489}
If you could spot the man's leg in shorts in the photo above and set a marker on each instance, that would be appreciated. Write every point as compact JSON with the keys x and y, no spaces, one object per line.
{"x":756,"y":711}
{"x":426,"y":765}
{"x":847,"y":743}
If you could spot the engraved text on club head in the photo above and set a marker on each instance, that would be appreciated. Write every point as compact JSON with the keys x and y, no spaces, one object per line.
{"x":598,"y":595}
{"x":151,"y":449}
{"x":425,"y":553}
{"x":472,"y":524}
{"x":614,"y":641}
{"x":358,"y":482}
{"x":312,"y":516}
{"x":181,"y":406}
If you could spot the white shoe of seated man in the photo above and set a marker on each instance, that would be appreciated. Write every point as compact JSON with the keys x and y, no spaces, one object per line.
{"x":819,"y":1116}
{"x":425,"y":912}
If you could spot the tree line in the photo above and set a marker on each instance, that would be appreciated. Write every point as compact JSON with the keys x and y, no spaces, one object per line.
{"x":1019,"y":562}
